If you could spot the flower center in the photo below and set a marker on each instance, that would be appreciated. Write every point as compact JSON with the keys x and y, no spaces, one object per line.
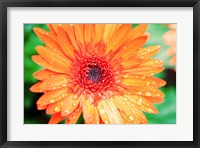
{"x":94,"y":74}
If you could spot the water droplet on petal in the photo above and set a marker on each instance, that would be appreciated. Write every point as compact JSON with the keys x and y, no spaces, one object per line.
{"x":133,"y":105}
{"x":64,"y":85}
{"x":74,"y":104}
{"x":125,"y":99}
{"x":56,"y":109}
{"x":51,"y":101}
{"x":126,"y":76}
{"x":148,"y":94}
{"x":148,"y":83}
{"x":143,"y":77}
{"x":131,"y":118}
{"x":139,"y":102}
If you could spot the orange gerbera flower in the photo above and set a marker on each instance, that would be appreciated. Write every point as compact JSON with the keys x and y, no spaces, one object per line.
{"x":99,"y":70}
{"x":170,"y":39}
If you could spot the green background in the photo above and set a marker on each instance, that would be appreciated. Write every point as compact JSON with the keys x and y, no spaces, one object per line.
{"x":167,"y":109}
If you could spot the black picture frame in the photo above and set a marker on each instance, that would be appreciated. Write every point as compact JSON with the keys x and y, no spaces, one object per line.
{"x":4,"y":4}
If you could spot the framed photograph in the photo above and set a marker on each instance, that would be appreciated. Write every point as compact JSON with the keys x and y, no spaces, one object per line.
{"x":99,"y":73}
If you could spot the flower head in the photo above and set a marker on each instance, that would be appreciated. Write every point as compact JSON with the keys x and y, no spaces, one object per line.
{"x":99,"y":70}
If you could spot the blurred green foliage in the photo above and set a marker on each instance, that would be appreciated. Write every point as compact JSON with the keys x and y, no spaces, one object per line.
{"x":167,"y":109}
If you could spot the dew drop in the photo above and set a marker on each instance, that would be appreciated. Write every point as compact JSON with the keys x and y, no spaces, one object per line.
{"x":51,"y":101}
{"x":52,"y":76}
{"x":139,"y":102}
{"x":64,"y":85}
{"x":133,"y":105}
{"x":56,"y":109}
{"x":139,"y":93}
{"x":126,"y":76}
{"x":74,"y":104}
{"x":125,"y":99}
{"x":131,"y":118}
{"x":143,"y":77}
{"x":148,"y":83}
{"x":148,"y":94}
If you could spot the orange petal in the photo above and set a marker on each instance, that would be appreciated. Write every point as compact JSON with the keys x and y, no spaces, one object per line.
{"x":56,"y":118}
{"x":36,"y":88}
{"x":155,"y":99}
{"x":50,"y":40}
{"x":89,"y":33}
{"x":52,"y":96}
{"x":124,"y":105}
{"x":65,"y":43}
{"x":137,"y":31}
{"x":152,"y":63}
{"x":69,"y":104}
{"x":125,"y":118}
{"x":44,"y":74}
{"x":52,"y":31}
{"x":108,"y":32}
{"x":148,"y":91}
{"x":109,"y":112}
{"x":129,"y":49}
{"x":144,"y":70}
{"x":132,"y":62}
{"x":53,"y":59}
{"x":90,"y":113}
{"x":140,"y":80}
{"x":42,"y":34}
{"x":56,"y":82}
{"x":55,"y":27}
{"x":141,"y":117}
{"x":118,"y":37}
{"x":40,"y":61}
{"x":54,"y":108}
{"x":143,"y":104}
{"x":99,"y":30}
{"x":78,"y":30}
{"x":74,"y":116}
{"x":134,"y":45}
{"x":70,"y":32}
{"x":42,"y":107}
{"x":147,"y":52}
